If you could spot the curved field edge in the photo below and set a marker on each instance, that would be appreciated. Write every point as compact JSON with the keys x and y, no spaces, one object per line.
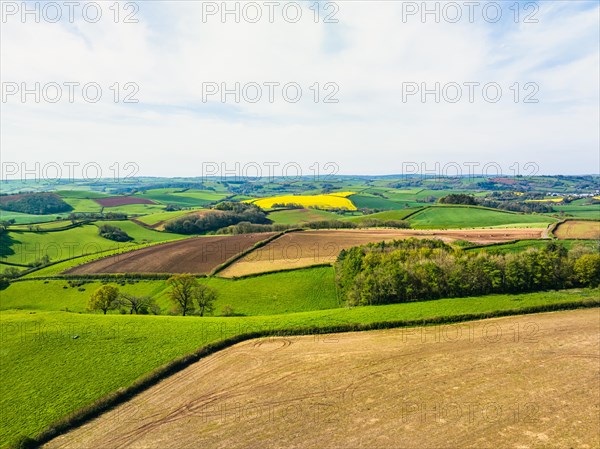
{"x":325,"y":322}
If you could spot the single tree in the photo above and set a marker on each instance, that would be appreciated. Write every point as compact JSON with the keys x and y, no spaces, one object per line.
{"x":105,"y":298}
{"x":205,"y":297}
{"x":184,"y":290}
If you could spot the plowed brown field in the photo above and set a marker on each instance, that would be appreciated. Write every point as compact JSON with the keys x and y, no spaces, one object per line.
{"x":302,"y":249}
{"x":517,"y":382}
{"x":198,"y":255}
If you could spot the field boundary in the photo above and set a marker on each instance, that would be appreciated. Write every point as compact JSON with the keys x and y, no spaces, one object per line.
{"x":282,"y":270}
{"x":256,"y":246}
{"x":122,"y":395}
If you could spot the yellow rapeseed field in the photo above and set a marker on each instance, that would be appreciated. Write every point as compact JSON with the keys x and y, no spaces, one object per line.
{"x":337,"y":200}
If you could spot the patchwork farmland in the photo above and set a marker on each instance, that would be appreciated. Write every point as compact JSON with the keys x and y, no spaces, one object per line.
{"x":302,"y":249}
{"x":267,"y":270}
{"x":199,"y":255}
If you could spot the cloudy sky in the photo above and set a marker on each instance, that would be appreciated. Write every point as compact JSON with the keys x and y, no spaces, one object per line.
{"x":370,"y":86}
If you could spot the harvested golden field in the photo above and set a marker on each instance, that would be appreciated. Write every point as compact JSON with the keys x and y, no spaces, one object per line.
{"x":306,"y":248}
{"x":578,"y":229}
{"x":197,"y":255}
{"x":519,"y":382}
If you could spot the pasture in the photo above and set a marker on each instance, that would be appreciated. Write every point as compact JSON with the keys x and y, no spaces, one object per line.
{"x":27,"y":247}
{"x":300,"y":216}
{"x":296,"y":291}
{"x":578,"y":229}
{"x":448,"y":217}
{"x":402,"y":387}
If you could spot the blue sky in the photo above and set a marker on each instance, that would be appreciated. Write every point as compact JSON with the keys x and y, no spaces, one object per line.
{"x":365,"y":61}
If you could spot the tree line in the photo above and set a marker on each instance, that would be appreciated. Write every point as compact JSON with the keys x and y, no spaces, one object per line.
{"x":416,"y":270}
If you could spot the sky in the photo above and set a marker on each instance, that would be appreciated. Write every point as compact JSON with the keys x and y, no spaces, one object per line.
{"x":178,"y":89}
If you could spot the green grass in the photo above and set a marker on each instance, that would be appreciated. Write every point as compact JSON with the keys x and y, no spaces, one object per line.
{"x":523,"y":245}
{"x":155,"y":218}
{"x":298,"y":216}
{"x":47,"y":373}
{"x":271,"y":294}
{"x":188,"y":198}
{"x":83,"y":204}
{"x":581,"y":211}
{"x":374,"y":202}
{"x":26,"y":247}
{"x":448,"y":217}
{"x":21,"y":218}
{"x":386,"y":215}
{"x":136,"y":209}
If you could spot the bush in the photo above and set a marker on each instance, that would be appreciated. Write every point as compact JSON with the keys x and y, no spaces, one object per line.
{"x":114,"y":233}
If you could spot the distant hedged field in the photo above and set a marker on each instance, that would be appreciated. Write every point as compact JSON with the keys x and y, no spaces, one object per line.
{"x":265,"y":259}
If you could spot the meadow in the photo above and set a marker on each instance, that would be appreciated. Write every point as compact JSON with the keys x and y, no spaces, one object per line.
{"x":575,"y":229}
{"x":447,"y":217}
{"x":23,"y":247}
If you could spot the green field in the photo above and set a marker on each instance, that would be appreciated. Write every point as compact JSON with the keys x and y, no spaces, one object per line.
{"x":386,"y":215}
{"x":298,"y":216}
{"x":21,"y":218}
{"x":366,"y":201}
{"x":44,"y":350}
{"x":523,"y":245}
{"x":187,"y":198}
{"x":580,"y":211}
{"x":158,"y":217}
{"x":295,"y":291}
{"x":26,"y":247}
{"x":448,"y":217}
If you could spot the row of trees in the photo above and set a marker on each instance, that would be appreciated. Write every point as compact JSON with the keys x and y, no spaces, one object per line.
{"x":414,"y":270}
{"x":496,"y":202}
{"x":113,"y":233}
{"x":186,"y":293}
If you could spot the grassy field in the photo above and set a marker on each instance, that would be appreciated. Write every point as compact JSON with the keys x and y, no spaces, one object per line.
{"x":27,"y":247}
{"x":43,"y":349}
{"x":336,"y":200}
{"x":574,"y":229}
{"x":297,"y":291}
{"x":374,"y":202}
{"x":523,"y":245}
{"x":440,"y":217}
{"x":187,"y":198}
{"x":159,"y":217}
{"x":298,"y":216}
{"x":386,"y":215}
{"x":21,"y":218}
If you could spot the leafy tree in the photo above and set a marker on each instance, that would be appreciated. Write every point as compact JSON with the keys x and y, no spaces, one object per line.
{"x":184,"y":291}
{"x":458,"y":198}
{"x":587,"y":269}
{"x":137,"y":304}
{"x":105,"y":298}
{"x":205,"y":297}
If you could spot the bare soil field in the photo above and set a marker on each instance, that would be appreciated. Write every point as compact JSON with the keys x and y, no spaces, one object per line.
{"x":303,"y":249}
{"x":578,"y":229}
{"x":518,"y":382}
{"x":199,"y":255}
{"x":113,"y":201}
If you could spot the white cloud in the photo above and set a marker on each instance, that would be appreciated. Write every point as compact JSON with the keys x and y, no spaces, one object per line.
{"x":369,"y":54}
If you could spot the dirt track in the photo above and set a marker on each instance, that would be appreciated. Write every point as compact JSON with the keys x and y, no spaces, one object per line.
{"x":302,"y":249}
{"x":518,"y":382}
{"x":196,"y":255}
